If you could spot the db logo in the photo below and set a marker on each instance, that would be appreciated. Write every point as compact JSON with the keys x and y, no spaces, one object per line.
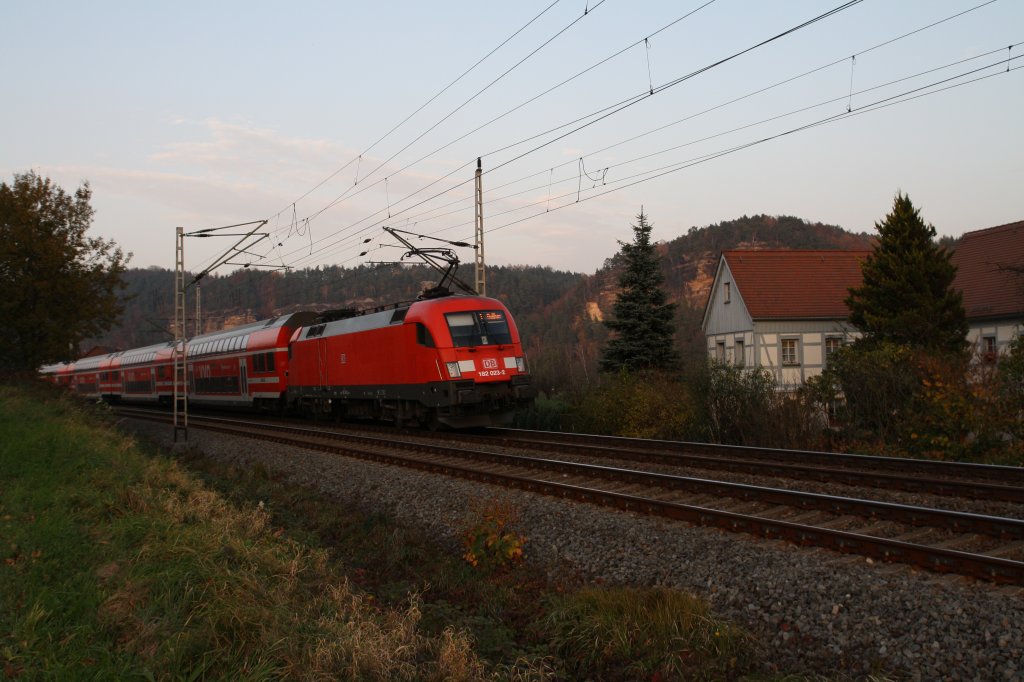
{"x":490,"y":363}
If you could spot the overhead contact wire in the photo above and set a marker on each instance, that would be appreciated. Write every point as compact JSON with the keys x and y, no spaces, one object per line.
{"x":645,"y":95}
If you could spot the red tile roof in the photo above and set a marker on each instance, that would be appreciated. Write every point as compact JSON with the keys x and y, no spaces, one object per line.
{"x":991,"y":291}
{"x":795,"y":284}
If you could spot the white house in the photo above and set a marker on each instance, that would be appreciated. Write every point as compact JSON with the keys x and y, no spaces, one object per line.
{"x":783,"y":310}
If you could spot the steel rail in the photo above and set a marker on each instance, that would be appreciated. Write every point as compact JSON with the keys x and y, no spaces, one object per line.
{"x":844,"y":475}
{"x":821,"y":470}
{"x":942,"y":560}
{"x":1002,"y":473}
{"x":821,"y":466}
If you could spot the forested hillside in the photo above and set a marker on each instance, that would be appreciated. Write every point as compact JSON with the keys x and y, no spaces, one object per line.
{"x":559,"y":313}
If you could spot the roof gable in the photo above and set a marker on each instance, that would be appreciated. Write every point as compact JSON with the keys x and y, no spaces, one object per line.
{"x":725,"y":311}
{"x":991,"y":290}
{"x":787,"y":284}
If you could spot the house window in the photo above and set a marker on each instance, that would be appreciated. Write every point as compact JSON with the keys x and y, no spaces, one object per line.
{"x":739,"y":353}
{"x":728,"y":295}
{"x":789,"y":352}
{"x":720,"y":351}
{"x":832,"y":344}
{"x":988,"y":349}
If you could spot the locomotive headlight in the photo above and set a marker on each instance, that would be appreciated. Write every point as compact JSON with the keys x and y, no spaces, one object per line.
{"x":521,"y":363}
{"x":453,"y":370}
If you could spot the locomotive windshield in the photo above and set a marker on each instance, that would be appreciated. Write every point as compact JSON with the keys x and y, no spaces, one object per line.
{"x":479,"y":328}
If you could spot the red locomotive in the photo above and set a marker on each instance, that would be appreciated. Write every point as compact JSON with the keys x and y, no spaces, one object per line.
{"x":455,"y":360}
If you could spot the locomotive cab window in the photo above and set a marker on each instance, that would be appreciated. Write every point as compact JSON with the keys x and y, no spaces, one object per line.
{"x":479,"y":328}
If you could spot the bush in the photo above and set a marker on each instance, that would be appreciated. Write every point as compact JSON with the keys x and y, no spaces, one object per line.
{"x":925,"y":403}
{"x":1010,"y":388}
{"x":738,"y":403}
{"x":875,"y":388}
{"x":546,"y":414}
{"x":743,"y":406}
{"x":490,"y":542}
{"x":639,"y":405}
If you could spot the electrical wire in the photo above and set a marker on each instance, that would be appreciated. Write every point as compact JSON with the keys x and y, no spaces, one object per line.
{"x":424,"y":105}
{"x":884,"y":103}
{"x":651,"y":174}
{"x":656,"y":173}
{"x":350,"y":194}
{"x":616,"y":108}
{"x":530,"y":101}
{"x":454,"y":111}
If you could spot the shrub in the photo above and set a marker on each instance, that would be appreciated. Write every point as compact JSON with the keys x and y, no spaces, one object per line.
{"x":639,"y":405}
{"x":546,"y":414}
{"x":925,"y":403}
{"x":490,"y":543}
{"x":738,"y":403}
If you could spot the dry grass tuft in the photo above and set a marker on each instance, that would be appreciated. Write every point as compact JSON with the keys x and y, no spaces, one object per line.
{"x":634,"y":633}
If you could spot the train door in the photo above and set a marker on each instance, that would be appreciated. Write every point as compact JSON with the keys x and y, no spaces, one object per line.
{"x":321,"y":361}
{"x":243,"y":378}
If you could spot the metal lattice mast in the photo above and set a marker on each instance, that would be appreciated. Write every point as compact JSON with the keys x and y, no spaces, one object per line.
{"x":481,"y":272}
{"x":180,"y":390}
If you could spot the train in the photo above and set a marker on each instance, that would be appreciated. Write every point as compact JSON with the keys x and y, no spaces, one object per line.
{"x":451,"y":361}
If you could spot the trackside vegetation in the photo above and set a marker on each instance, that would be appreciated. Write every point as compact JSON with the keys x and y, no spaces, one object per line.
{"x":122,"y":563}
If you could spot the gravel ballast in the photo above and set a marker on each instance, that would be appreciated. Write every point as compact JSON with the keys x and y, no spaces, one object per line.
{"x":811,"y":610}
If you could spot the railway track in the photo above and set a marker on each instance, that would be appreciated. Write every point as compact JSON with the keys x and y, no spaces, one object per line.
{"x":973,"y":481}
{"x":949,"y":479}
{"x":981,"y":546}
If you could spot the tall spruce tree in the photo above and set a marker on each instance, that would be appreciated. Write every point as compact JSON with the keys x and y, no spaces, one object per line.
{"x":907,"y":297}
{"x":642,"y":315}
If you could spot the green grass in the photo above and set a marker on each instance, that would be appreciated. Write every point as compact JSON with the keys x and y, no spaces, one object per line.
{"x":122,"y":563}
{"x":643,"y":634}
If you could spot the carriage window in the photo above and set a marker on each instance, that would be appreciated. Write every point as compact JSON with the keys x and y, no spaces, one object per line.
{"x":479,"y":328}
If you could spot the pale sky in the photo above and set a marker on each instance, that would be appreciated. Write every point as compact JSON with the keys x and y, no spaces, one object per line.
{"x":204,"y":114}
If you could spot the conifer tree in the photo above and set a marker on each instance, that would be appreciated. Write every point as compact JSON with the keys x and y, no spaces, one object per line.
{"x":907,"y":296}
{"x":642,"y":316}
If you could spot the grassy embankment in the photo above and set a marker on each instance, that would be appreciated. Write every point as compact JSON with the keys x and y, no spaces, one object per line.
{"x":119,"y":562}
